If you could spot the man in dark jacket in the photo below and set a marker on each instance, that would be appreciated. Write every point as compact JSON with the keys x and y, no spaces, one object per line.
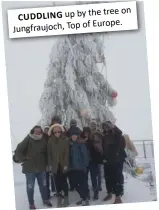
{"x":113,"y":159}
{"x":32,"y":153}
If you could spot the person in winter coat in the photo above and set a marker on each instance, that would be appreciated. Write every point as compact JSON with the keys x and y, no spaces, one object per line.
{"x":58,"y":158}
{"x":73,"y":124}
{"x":94,"y":127}
{"x":49,"y":177}
{"x":113,"y":159}
{"x":32,"y":153}
{"x":78,"y":163}
{"x":96,"y":155}
{"x":93,"y":141}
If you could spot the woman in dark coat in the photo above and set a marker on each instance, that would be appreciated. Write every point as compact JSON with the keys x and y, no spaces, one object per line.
{"x":32,"y":153}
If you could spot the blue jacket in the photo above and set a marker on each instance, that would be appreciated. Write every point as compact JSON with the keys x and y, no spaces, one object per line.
{"x":79,"y":158}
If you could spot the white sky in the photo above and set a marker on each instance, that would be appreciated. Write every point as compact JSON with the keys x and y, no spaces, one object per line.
{"x":27,"y":61}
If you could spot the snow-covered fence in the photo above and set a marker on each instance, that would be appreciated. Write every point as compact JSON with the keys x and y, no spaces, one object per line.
{"x":145,"y":148}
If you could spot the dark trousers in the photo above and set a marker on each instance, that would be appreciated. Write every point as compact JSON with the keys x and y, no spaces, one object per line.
{"x":61,"y":182}
{"x":30,"y":183}
{"x":114,"y":178}
{"x":99,"y":177}
{"x":72,"y":187}
{"x":50,"y":183}
{"x":93,"y":167}
{"x":79,"y":179}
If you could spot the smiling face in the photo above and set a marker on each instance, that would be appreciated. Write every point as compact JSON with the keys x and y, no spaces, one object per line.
{"x":37,"y":131}
{"x":57,"y":132}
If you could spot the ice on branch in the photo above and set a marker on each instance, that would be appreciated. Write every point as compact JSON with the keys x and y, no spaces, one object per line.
{"x":75,"y":88}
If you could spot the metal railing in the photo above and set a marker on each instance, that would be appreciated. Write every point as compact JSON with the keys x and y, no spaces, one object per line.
{"x":144,"y":148}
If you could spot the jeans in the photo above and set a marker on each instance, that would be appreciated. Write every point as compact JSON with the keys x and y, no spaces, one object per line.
{"x":30,"y":183}
{"x":114,"y":178}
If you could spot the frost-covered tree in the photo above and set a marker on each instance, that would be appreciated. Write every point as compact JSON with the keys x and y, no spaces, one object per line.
{"x":75,"y":88}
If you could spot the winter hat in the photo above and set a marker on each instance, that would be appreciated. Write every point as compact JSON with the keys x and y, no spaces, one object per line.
{"x":54,"y":126}
{"x":73,"y":122}
{"x":75,"y":131}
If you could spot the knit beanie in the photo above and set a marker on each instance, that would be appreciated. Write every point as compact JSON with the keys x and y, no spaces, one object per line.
{"x":75,"y":131}
{"x":73,"y":122}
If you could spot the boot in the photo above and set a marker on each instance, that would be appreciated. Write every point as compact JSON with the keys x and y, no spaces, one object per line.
{"x":95,"y":197}
{"x":118,"y":200}
{"x":59,"y":202}
{"x":65,"y":202}
{"x":47,"y":203}
{"x":79,"y":202}
{"x":108,"y":197}
{"x":32,"y":206}
{"x":85,"y":203}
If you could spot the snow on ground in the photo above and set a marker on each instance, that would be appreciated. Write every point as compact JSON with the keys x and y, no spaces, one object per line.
{"x":135,"y":190}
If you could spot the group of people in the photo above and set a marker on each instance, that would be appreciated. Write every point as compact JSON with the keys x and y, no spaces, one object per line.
{"x":56,"y":156}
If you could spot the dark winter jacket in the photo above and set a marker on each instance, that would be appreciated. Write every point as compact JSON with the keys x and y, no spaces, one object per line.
{"x":79,"y":158}
{"x":46,"y":137}
{"x":113,"y":146}
{"x":58,"y":152}
{"x":95,"y":155}
{"x":32,"y":153}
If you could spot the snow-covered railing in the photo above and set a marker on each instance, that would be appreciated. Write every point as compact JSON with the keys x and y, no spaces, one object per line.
{"x":145,"y":148}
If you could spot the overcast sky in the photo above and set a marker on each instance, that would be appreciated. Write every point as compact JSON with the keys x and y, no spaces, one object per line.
{"x":127,"y":71}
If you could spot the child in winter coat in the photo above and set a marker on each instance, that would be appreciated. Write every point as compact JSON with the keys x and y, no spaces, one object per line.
{"x":58,"y":159}
{"x":78,"y":164}
{"x":32,"y":153}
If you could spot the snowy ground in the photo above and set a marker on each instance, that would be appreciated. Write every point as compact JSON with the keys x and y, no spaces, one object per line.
{"x":136,"y":190}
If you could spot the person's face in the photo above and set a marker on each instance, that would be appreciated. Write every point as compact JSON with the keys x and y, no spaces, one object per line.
{"x":93,"y":126}
{"x":37,"y":131}
{"x":46,"y":130}
{"x":57,"y":132}
{"x":74,"y":137}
